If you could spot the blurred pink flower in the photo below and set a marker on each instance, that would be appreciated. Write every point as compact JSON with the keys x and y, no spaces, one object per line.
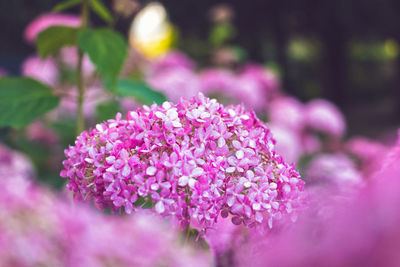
{"x":14,"y":165}
{"x":93,"y":96}
{"x":391,"y":160}
{"x":360,"y":231}
{"x":288,"y":143}
{"x":173,"y":59}
{"x":176,"y":83}
{"x":264,"y":76}
{"x":251,"y":93}
{"x":230,"y":88}
{"x":368,"y":152}
{"x":311,"y":143}
{"x":323,"y":116}
{"x":39,"y":228}
{"x":69,"y":56}
{"x":223,"y":85}
{"x":46,"y":20}
{"x":287,"y":112}
{"x":44,"y":70}
{"x":38,"y":131}
{"x":333,"y":169}
{"x":218,"y":81}
{"x":223,"y":238}
{"x":68,"y":104}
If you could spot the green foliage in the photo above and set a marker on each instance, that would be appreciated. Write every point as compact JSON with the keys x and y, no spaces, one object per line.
{"x":36,"y":152}
{"x":221,"y":33}
{"x":52,"y":39}
{"x":101,"y":10}
{"x":144,"y":203}
{"x":107,"y":110}
{"x":66,"y":5}
{"x":24,"y":99}
{"x":66,"y":131}
{"x":240,"y":53}
{"x":139,"y":91}
{"x":107,"y":50}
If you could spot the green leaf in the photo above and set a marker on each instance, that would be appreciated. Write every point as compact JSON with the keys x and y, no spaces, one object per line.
{"x":107,"y":110}
{"x":66,"y":4}
{"x":52,"y":39}
{"x":24,"y":99}
{"x":66,"y":130}
{"x":100,"y":9}
{"x":221,"y":33}
{"x":140,"y":91}
{"x":107,"y":50}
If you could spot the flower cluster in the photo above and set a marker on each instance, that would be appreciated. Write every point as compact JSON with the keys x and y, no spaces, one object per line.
{"x":44,"y":70}
{"x":335,"y":169}
{"x":14,"y":165}
{"x":192,"y":161}
{"x":252,"y":85}
{"x":39,"y":229}
{"x":358,"y":230}
{"x":368,"y":153}
{"x":298,"y":126}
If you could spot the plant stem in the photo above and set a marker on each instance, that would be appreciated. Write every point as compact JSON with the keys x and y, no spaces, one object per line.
{"x":80,"y":120}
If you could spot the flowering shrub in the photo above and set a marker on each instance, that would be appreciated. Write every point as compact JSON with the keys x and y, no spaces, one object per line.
{"x":334,"y":169}
{"x":325,"y":117}
{"x":39,"y":228}
{"x":194,"y":160}
{"x":361,"y":230}
{"x":43,"y":70}
{"x":200,"y":163}
{"x":14,"y":165}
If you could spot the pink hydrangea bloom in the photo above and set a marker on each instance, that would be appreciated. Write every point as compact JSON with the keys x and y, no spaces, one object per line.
{"x":233,"y":89}
{"x":218,"y":81}
{"x":68,"y":104}
{"x":14,"y":165}
{"x":194,"y":161}
{"x":362,"y":231}
{"x":368,"y":152}
{"x":37,"y":228}
{"x":176,"y":83}
{"x":44,"y":70}
{"x":46,"y":20}
{"x":251,"y":92}
{"x":224,"y":85}
{"x":173,"y":59}
{"x":38,"y":131}
{"x":391,"y":160}
{"x":69,"y":56}
{"x":265,"y":77}
{"x":336,"y":169}
{"x":323,"y":116}
{"x":287,"y":112}
{"x":288,"y":143}
{"x":311,"y":143}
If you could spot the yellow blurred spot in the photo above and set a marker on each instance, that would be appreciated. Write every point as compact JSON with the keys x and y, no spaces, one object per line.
{"x":391,"y":48}
{"x":150,"y":32}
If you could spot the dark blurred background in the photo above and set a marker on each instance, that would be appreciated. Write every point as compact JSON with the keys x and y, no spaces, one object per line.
{"x":344,"y":50}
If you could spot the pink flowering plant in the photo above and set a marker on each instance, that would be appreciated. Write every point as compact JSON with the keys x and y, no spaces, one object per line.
{"x":193,"y":161}
{"x":197,"y":159}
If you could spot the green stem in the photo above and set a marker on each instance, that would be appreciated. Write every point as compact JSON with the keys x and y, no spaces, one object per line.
{"x":187,"y":235}
{"x":80,"y":120}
